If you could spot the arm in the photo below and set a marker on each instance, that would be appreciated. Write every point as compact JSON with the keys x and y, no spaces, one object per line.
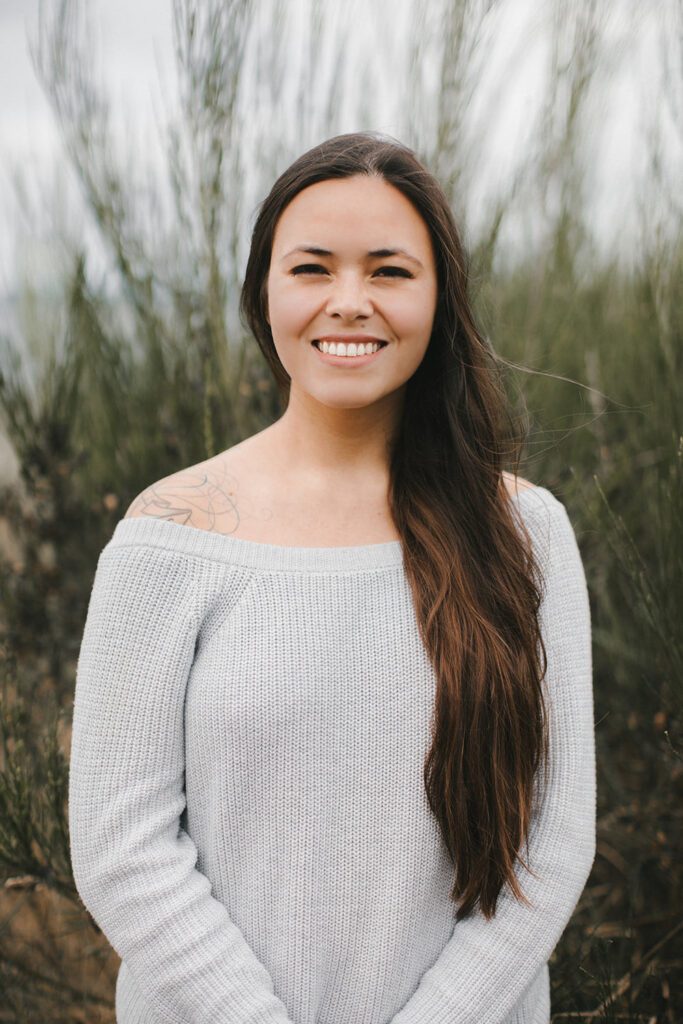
{"x":133,"y":864}
{"x":485,"y":967}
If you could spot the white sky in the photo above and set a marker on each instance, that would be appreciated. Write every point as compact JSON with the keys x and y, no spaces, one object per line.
{"x":134,"y":40}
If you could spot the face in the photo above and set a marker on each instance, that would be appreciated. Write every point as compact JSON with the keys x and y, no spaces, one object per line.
{"x":351,"y":259}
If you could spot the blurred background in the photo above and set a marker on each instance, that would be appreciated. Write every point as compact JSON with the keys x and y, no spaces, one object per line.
{"x":135,"y":144}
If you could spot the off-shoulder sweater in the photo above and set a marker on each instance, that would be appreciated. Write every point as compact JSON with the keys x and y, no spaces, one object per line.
{"x":248,"y":819}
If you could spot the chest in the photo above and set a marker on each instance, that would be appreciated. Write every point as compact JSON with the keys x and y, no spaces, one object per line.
{"x":263,"y":506}
{"x":313,"y":668}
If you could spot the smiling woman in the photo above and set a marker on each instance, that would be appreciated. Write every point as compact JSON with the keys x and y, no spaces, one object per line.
{"x":338,"y":764}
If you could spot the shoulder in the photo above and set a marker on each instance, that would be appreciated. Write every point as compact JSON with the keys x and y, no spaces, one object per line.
{"x":192,"y":496}
{"x":533,"y":499}
{"x":515,"y":484}
{"x":544,"y":517}
{"x":547,"y":525}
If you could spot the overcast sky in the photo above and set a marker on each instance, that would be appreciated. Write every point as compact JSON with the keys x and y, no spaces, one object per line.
{"x":135,"y":42}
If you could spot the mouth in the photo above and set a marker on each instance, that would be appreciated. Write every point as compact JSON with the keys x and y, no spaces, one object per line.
{"x":318,"y":342}
{"x":345,"y":361}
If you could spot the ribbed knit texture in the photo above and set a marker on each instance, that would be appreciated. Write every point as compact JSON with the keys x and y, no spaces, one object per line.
{"x":249,"y":825}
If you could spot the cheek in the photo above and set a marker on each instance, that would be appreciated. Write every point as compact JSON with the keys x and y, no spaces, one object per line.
{"x":413,"y":315}
{"x":289,"y":309}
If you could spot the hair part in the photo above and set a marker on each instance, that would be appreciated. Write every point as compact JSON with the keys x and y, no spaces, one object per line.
{"x":473,"y":575}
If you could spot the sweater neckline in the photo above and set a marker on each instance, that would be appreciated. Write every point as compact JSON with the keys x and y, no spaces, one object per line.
{"x":223,"y":547}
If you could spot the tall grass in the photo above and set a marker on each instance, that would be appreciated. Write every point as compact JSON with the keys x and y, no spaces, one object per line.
{"x":108,"y":390}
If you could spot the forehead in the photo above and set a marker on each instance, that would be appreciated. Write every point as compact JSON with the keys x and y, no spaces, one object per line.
{"x":362,"y":212}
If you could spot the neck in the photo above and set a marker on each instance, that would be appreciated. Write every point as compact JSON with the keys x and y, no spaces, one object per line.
{"x":324,"y":447}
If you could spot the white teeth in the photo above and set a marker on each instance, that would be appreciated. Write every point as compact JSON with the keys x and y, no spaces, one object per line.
{"x":339,"y":348}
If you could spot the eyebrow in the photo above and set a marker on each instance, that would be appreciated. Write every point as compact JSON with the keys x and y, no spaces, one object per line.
{"x":315,"y":250}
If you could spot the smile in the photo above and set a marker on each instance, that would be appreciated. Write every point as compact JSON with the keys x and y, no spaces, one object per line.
{"x":347,"y":354}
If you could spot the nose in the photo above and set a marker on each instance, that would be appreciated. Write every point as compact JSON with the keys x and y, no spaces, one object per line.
{"x":348,"y":298}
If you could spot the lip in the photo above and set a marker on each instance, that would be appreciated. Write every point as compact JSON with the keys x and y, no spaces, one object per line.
{"x":350,"y":362}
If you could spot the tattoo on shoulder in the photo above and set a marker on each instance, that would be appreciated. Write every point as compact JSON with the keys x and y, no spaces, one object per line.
{"x":202,"y":497}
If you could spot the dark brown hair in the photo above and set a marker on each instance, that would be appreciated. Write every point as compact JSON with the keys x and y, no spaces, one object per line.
{"x":472,"y":572}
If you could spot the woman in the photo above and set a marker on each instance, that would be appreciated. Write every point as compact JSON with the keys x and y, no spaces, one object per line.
{"x":333,"y":750}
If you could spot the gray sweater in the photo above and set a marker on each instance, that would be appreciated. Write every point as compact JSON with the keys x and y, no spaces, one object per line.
{"x":248,"y":819}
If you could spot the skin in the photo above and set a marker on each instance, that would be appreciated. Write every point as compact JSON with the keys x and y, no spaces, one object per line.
{"x":338,"y":421}
{"x":331,"y":443}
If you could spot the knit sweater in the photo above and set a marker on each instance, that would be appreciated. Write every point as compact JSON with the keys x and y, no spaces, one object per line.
{"x":248,"y":819}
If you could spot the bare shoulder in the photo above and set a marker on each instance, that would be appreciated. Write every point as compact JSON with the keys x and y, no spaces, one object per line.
{"x":202,"y":495}
{"x":514,"y":484}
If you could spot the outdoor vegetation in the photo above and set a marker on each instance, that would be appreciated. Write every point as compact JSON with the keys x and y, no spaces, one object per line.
{"x":119,"y":376}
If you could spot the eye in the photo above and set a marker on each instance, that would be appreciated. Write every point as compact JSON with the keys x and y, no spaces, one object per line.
{"x":308,"y":268}
{"x":394,"y":271}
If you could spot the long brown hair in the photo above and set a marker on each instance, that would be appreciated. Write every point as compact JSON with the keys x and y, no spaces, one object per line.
{"x":472,"y":572}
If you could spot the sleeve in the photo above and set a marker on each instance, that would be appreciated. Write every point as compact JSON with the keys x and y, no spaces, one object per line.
{"x":486,"y":966}
{"x":133,"y":864}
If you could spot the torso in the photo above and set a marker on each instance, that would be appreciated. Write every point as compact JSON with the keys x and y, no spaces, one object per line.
{"x":239,"y":492}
